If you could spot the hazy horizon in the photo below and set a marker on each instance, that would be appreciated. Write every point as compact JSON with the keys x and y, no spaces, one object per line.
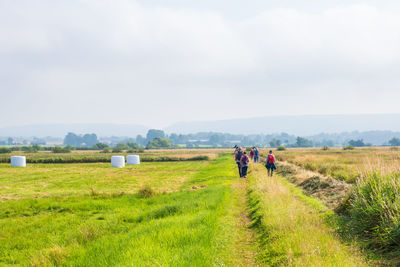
{"x":156,"y":63}
{"x":301,"y":125}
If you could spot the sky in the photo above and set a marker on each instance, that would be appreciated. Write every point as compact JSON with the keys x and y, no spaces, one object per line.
{"x":154,"y":62}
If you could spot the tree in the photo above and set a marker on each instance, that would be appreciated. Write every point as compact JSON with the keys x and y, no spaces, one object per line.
{"x":100,"y":146}
{"x":159,"y":143}
{"x":174,"y":138}
{"x":216,"y":139}
{"x":275,"y":142}
{"x":122,"y":146}
{"x":394,"y":141}
{"x":133,"y":145}
{"x":90,"y":139}
{"x":357,"y":143}
{"x":303,"y":142}
{"x":141,"y":140}
{"x":58,"y":149}
{"x":73,"y":140}
{"x":153,"y":134}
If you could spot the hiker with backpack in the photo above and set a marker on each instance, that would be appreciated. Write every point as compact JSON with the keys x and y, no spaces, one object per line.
{"x":244,"y":163}
{"x":238,"y":157}
{"x":252,"y":153}
{"x":256,"y":152}
{"x":270,"y":163}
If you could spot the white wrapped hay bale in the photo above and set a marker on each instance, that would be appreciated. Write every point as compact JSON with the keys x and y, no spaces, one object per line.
{"x":132,"y":160}
{"x":118,"y":161}
{"x":18,"y":161}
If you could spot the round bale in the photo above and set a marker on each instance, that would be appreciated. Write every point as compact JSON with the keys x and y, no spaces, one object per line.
{"x":132,"y":160}
{"x":18,"y":161}
{"x":118,"y":161}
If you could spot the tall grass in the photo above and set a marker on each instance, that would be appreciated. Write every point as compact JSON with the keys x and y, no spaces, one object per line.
{"x":374,"y":210}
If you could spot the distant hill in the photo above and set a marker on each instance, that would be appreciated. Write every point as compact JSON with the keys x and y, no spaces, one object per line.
{"x":304,"y":125}
{"x":60,"y":130}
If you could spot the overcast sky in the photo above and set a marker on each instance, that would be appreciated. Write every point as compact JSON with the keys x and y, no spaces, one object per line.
{"x":155,"y":62}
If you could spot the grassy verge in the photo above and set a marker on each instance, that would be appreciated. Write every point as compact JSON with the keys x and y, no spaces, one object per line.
{"x":372,"y":213}
{"x":293,"y":229}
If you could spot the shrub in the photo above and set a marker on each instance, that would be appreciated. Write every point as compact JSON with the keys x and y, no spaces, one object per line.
{"x":146,"y":192}
{"x":159,"y":143}
{"x":58,"y":149}
{"x":281,"y":148}
{"x":375,"y":210}
{"x":117,"y":150}
{"x":348,"y":147}
{"x":29,"y":149}
{"x":325,"y":148}
{"x":138,"y":150}
{"x":105,"y":150}
{"x":4,"y":150}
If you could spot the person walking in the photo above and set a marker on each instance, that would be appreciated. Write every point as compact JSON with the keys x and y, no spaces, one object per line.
{"x":238,"y":157}
{"x":244,"y":162}
{"x":256,"y":152}
{"x":252,"y":154}
{"x":270,"y":163}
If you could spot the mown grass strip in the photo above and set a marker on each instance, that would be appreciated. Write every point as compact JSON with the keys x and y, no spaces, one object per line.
{"x":185,"y":228}
{"x":292,"y":227}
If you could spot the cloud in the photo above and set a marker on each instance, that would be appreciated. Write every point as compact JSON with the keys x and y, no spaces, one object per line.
{"x":127,"y":62}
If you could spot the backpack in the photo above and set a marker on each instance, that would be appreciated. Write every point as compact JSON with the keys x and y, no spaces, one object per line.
{"x":244,"y":159}
{"x":239,"y":155}
{"x":271,"y":159}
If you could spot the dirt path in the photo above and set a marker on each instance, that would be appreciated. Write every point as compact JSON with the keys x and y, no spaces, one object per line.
{"x":245,"y":246}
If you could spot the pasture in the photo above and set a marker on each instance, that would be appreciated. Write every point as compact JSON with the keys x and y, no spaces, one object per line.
{"x":189,"y":208}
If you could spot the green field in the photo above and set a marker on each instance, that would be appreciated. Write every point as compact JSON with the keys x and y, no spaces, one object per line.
{"x":174,"y":213}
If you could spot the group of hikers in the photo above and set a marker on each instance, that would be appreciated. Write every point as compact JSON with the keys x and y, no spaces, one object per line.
{"x":242,"y":160}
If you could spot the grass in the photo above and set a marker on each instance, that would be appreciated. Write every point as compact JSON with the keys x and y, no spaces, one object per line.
{"x":74,"y":226}
{"x":99,"y":157}
{"x":373,"y":211}
{"x":347,"y":165}
{"x":294,"y":229}
{"x":186,"y":213}
{"x":63,"y":180}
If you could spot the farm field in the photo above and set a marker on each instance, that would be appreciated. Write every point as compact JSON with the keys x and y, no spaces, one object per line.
{"x":98,"y":156}
{"x":347,"y":165}
{"x":171,"y":213}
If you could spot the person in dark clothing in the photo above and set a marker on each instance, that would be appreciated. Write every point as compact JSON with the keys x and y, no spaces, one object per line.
{"x":238,"y":156}
{"x":252,"y":154}
{"x":256,"y":152}
{"x":244,"y":163}
{"x":270,"y":163}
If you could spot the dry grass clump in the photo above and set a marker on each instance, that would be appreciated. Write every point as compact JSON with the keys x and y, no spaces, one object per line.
{"x":331,"y":191}
{"x":146,"y":192}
